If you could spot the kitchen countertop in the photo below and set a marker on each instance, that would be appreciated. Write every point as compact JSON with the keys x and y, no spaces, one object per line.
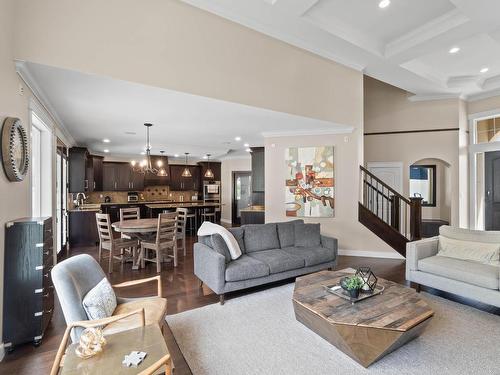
{"x":182,"y":204}
{"x":253,"y":209}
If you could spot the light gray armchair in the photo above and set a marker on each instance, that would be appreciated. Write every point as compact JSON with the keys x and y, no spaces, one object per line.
{"x":74,"y":277}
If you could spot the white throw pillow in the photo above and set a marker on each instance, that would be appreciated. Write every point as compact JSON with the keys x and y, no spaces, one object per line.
{"x":482,"y":252}
{"x":100,"y":301}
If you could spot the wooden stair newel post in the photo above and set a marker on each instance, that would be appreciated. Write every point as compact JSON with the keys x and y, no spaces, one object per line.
{"x":415,"y":218}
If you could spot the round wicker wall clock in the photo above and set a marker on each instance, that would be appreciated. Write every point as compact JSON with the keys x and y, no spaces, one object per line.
{"x":15,"y":152}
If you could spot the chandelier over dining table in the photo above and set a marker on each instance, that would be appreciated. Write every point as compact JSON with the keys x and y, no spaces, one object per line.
{"x":146,"y":165}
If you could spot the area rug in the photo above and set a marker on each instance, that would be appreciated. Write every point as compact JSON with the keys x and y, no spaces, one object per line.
{"x":258,"y":334}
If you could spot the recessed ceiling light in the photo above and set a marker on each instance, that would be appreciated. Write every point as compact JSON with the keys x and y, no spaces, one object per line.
{"x":248,"y":150}
{"x":205,"y":157}
{"x":106,"y":140}
{"x":454,"y":49}
{"x":384,"y":4}
{"x":484,"y":70}
{"x":143,"y":153}
{"x":237,"y":139}
{"x":246,"y":145}
{"x":176,"y":155}
{"x":106,"y":151}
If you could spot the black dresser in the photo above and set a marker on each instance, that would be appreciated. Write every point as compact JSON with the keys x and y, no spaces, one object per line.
{"x":28,"y":299}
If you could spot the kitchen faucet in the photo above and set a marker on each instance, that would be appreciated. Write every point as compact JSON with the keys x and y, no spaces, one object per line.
{"x":80,"y":199}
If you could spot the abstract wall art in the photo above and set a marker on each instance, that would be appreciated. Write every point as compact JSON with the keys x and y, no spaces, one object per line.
{"x":310,"y":182}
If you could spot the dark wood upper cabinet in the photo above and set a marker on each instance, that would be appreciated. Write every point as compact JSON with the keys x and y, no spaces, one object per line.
{"x":214,"y":166}
{"x":108,"y":176}
{"x":77,"y":163}
{"x":180,"y":183}
{"x":94,"y":173}
{"x":258,"y":172}
{"x":137,"y":180}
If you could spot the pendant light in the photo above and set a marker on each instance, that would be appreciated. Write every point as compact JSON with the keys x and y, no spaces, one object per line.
{"x":162,"y":171}
{"x":209,"y":173}
{"x":145,"y":165}
{"x":186,"y":172}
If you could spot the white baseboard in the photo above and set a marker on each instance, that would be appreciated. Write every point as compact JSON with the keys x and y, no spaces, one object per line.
{"x":2,"y":352}
{"x":226,"y":221}
{"x":371,"y":254}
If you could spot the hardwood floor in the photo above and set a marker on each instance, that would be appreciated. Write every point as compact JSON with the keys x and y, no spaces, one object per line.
{"x":182,"y":290}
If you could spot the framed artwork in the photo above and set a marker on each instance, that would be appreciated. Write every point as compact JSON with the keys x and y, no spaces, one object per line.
{"x":310,"y":182}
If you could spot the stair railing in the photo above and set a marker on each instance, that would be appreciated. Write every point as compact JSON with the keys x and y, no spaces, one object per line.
{"x":404,"y":215}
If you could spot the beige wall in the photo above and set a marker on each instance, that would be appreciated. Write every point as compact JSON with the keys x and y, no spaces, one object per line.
{"x":387,"y":108}
{"x":167,"y":43}
{"x":15,"y":195}
{"x":483,"y":105}
{"x":229,"y":166}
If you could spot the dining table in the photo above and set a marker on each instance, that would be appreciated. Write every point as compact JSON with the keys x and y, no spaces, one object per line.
{"x":137,"y":228}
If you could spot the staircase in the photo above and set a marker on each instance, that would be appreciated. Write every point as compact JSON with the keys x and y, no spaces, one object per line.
{"x":395,"y":219}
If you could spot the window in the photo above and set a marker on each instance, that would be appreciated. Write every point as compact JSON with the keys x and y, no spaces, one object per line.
{"x":487,"y":130}
{"x":423,"y":184}
{"x":41,"y":168}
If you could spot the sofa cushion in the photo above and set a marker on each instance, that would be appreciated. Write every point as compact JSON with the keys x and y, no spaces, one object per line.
{"x":278,"y":260}
{"x":238,"y":233}
{"x":483,"y":275}
{"x":286,"y":232}
{"x":245,"y":268}
{"x":307,"y":235}
{"x":219,"y":245}
{"x":482,"y":252}
{"x":312,"y":255}
{"x":260,"y":237}
{"x":489,"y":236}
{"x":205,"y":240}
{"x":100,"y":301}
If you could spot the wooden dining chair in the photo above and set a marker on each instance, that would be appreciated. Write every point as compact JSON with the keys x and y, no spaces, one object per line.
{"x":166,"y":361}
{"x":132,"y":213}
{"x":209,"y":214}
{"x":117,"y":247}
{"x":166,"y":239}
{"x":59,"y":360}
{"x":182,"y":220}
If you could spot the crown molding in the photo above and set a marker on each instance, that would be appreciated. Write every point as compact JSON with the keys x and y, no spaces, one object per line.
{"x":294,"y":133}
{"x":429,"y":97}
{"x":483,"y":95}
{"x":27,"y":77}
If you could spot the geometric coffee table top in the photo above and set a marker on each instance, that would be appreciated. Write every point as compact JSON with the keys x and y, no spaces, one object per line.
{"x":366,"y":330}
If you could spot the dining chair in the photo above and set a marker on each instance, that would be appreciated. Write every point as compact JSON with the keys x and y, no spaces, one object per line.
{"x":59,"y":360}
{"x":132,"y":213}
{"x":182,"y":219}
{"x":209,"y":214}
{"x":117,"y":247}
{"x":166,"y":234}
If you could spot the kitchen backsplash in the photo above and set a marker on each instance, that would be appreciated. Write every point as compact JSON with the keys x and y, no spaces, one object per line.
{"x":153,"y":193}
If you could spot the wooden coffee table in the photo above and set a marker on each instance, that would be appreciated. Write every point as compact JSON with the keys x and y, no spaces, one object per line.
{"x":367,"y":330}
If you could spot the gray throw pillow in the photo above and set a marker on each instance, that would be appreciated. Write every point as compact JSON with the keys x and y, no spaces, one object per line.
{"x":307,"y":235}
{"x":238,"y":233}
{"x":286,"y":233}
{"x":205,"y":240}
{"x":261,"y":237}
{"x":100,"y":301}
{"x":219,"y":245}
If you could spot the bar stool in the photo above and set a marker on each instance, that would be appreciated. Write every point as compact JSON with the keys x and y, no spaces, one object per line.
{"x":209,"y":214}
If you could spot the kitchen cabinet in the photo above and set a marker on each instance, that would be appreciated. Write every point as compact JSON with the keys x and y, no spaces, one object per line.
{"x":94,"y":173}
{"x":114,"y":210}
{"x":258,"y":181}
{"x":180,"y":183}
{"x":121,"y":177}
{"x":82,"y":228}
{"x":214,"y":166}
{"x":77,"y":163}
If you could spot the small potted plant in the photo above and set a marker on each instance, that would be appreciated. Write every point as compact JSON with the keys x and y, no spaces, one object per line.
{"x":353,"y":285}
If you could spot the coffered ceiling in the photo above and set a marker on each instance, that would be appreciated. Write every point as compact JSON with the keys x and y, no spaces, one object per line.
{"x":406,"y":44}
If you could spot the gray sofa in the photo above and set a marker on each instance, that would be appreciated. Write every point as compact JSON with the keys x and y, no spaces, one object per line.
{"x":271,"y":252}
{"x":425,"y":265}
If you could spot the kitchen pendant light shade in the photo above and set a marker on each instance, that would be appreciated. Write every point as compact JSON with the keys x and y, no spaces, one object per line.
{"x":208,"y":173}
{"x":186,"y":172}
